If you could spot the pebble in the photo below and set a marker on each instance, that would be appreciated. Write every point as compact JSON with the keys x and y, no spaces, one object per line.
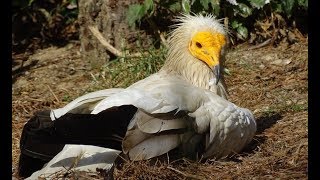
{"x":261,"y":66}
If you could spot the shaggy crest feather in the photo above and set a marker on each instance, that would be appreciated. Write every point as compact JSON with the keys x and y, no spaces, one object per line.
{"x":199,"y":22}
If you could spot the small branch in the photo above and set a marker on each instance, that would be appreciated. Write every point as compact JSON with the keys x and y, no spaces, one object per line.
{"x":163,"y":39}
{"x":265,"y":43}
{"x":275,"y":31}
{"x":54,"y":95}
{"x":157,"y":30}
{"x":32,"y":99}
{"x":94,"y":30}
{"x":25,"y":64}
{"x":93,"y":77}
{"x":104,"y":42}
{"x":184,"y":174}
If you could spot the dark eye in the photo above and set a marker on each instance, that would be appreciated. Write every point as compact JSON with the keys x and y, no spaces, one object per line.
{"x":198,"y":45}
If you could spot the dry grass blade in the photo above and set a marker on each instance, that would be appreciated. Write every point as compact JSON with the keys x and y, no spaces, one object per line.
{"x":185,"y":174}
{"x":54,"y":95}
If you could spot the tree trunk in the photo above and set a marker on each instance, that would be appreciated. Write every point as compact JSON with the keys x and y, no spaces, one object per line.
{"x":109,"y":16}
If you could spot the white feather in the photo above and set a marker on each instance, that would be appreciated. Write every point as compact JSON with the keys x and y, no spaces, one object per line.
{"x":151,"y":124}
{"x":133,"y":137}
{"x":154,"y":146}
{"x":78,"y":157}
{"x":135,"y":97}
{"x":85,"y":102}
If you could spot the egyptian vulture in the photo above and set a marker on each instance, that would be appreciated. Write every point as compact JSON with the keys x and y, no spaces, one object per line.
{"x":182,"y":105}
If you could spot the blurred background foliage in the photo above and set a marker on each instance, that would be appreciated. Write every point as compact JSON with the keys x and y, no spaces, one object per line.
{"x":37,"y":23}
{"x":254,"y":20}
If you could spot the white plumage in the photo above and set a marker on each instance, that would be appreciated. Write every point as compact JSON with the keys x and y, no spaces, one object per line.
{"x":181,"y":98}
{"x":79,"y":157}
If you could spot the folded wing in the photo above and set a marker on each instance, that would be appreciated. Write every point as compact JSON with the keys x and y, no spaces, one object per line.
{"x":169,"y":107}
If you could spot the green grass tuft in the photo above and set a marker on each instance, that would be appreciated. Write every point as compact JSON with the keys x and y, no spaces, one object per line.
{"x":122,"y":72}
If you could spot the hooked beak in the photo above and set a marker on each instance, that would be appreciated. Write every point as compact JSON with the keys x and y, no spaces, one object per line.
{"x":216,"y":72}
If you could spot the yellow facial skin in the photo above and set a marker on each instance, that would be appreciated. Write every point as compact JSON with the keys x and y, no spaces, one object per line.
{"x":207,"y":46}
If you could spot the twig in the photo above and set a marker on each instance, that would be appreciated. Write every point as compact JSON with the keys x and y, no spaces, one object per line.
{"x":135,"y":158}
{"x":296,"y":154}
{"x":275,"y":31}
{"x":23,"y":108}
{"x":24,"y":64}
{"x":123,"y":158}
{"x":94,"y":78}
{"x":33,"y":99}
{"x":54,"y":95}
{"x":156,"y":29}
{"x":265,"y":43}
{"x":104,"y":42}
{"x":66,"y":90}
{"x":109,"y":47}
{"x":184,"y":174}
{"x":16,"y":68}
{"x":163,"y":39}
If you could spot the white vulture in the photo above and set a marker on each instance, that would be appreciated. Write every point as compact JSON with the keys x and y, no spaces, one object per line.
{"x":181,"y":105}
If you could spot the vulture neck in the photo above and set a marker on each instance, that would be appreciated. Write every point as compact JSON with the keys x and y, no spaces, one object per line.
{"x":181,"y":62}
{"x":193,"y":70}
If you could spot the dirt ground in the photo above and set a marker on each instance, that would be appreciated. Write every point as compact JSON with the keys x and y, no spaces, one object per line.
{"x":270,"y":81}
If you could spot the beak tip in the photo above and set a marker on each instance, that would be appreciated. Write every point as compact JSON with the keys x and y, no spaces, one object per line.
{"x":217,"y":81}
{"x":216,"y":72}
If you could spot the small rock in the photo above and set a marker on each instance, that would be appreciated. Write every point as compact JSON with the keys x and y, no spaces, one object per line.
{"x":72,"y":71}
{"x":261,"y":66}
{"x":286,"y":61}
{"x":276,"y":62}
{"x":291,"y":37}
{"x":282,"y":32}
{"x":262,"y":109}
{"x":269,"y":57}
{"x":301,"y":102}
{"x":288,"y":102}
{"x":268,"y":95}
{"x":281,"y":62}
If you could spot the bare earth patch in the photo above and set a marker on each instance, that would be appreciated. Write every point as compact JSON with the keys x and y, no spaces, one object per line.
{"x":271,"y":82}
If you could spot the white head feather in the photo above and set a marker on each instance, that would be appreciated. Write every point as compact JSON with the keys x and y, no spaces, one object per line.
{"x":180,"y":60}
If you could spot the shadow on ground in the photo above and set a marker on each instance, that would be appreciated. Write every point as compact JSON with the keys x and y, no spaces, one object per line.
{"x":264,"y":122}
